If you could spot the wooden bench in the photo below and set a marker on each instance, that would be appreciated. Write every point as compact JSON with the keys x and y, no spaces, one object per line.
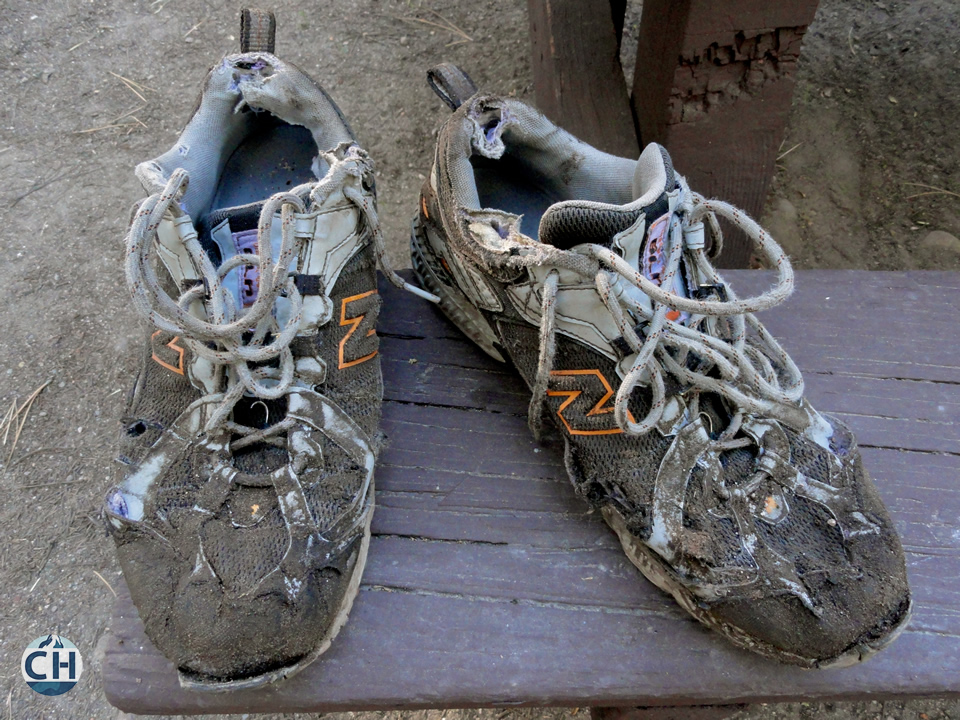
{"x":489,"y":583}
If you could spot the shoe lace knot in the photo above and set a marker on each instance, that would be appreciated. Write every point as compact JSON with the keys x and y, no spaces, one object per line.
{"x":712,"y":344}
{"x":241,"y":343}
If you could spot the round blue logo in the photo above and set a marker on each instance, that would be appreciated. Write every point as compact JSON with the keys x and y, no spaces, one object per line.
{"x":51,"y":665}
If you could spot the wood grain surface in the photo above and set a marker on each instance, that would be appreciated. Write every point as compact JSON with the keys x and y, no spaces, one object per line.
{"x":714,"y":82}
{"x":489,"y":583}
{"x":577,"y":78}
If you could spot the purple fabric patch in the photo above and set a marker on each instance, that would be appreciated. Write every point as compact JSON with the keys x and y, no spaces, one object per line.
{"x":840,"y":443}
{"x":653,"y":263}
{"x":117,"y":505}
{"x":246,"y":243}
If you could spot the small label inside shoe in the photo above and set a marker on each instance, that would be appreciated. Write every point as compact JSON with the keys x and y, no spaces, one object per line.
{"x":653,"y":263}
{"x":246,"y":244}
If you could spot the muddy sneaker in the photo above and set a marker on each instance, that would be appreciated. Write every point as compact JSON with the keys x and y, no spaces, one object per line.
{"x":242,"y":513}
{"x":683,"y":419}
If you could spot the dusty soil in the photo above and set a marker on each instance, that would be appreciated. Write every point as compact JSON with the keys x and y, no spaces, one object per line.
{"x":871,"y":157}
{"x":92,"y":88}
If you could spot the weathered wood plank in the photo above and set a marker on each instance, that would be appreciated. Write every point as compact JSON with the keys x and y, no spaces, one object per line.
{"x":446,"y":445}
{"x":598,"y":577}
{"x":489,"y":583}
{"x":880,"y":324}
{"x":535,"y":529}
{"x":926,"y":409}
{"x":454,"y":385}
{"x":925,"y":402}
{"x":453,"y":652}
{"x":448,"y":352}
{"x":918,"y":487}
{"x":577,"y":76}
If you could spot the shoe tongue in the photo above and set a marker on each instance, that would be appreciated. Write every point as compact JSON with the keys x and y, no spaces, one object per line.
{"x":244,"y":217}
{"x":646,"y":251}
{"x":216,"y":230}
{"x":653,"y":176}
{"x":573,"y":222}
{"x":227,"y":232}
{"x":215,"y":227}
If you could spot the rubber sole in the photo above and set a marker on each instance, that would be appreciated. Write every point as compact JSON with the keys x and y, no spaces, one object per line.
{"x":461,"y":312}
{"x":661,"y":575}
{"x":190,"y":682}
{"x":427,"y":266}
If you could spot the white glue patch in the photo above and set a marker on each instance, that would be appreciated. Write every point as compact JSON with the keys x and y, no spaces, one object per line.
{"x":819,"y":430}
{"x":135,"y":488}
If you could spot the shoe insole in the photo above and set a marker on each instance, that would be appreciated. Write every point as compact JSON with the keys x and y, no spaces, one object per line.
{"x":506,"y":185}
{"x":274,"y":157}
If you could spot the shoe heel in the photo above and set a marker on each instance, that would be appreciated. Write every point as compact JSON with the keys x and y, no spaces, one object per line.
{"x":428,"y":266}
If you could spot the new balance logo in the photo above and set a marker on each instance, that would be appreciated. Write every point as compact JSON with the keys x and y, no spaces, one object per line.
{"x":588,"y":409}
{"x":167,"y":354}
{"x":360,"y":343}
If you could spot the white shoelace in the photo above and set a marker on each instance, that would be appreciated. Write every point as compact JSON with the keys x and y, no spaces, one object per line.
{"x":716,"y":331}
{"x":227,"y":325}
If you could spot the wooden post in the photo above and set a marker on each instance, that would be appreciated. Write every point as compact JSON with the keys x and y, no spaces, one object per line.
{"x":618,"y":9}
{"x":713,"y":83}
{"x":577,"y":76}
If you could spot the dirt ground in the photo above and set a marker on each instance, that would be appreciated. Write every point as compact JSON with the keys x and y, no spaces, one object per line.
{"x":871,"y":157}
{"x":92,"y":87}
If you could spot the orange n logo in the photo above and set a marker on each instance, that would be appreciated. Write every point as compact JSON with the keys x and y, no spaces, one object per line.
{"x":585,"y":410}
{"x":162,"y":354}
{"x":360,"y":343}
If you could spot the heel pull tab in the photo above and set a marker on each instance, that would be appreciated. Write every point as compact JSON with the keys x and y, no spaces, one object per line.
{"x":258,"y":31}
{"x":451,"y":84}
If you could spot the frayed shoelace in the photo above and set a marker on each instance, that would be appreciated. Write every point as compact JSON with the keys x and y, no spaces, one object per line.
{"x":227,"y":325}
{"x":732,"y":363}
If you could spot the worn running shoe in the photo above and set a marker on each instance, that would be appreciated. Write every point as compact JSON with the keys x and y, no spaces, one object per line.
{"x":242,"y":513}
{"x":683,"y":418}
